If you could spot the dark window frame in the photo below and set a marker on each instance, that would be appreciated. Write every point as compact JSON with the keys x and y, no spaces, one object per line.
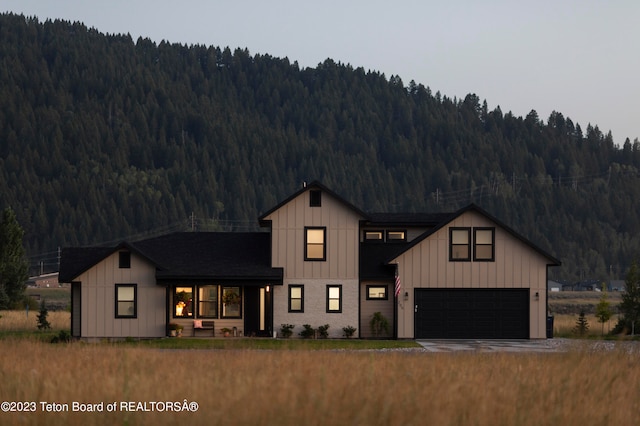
{"x":199,"y":301}
{"x":124,"y":260}
{"x":315,"y":198}
{"x":492,"y":245}
{"x":223,"y":313}
{"x":324,"y":243}
{"x":452,"y":245}
{"x":339,"y":298}
{"x":374,"y":231}
{"x":188,"y":308}
{"x":396,"y":240}
{"x":118,"y":300}
{"x":371,"y":286}
{"x":290,"y":298}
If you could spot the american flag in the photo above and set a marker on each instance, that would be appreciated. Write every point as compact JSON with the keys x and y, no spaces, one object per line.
{"x":398,"y":285}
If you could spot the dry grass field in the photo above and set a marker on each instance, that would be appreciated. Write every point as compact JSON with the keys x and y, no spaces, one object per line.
{"x":317,"y":387}
{"x":21,"y":321}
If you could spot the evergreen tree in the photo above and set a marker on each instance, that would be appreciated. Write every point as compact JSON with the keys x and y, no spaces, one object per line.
{"x":582,"y":325}
{"x":630,"y":305}
{"x":43,"y":322}
{"x":13,"y":264}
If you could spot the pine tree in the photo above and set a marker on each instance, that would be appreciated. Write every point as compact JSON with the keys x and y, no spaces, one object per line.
{"x":582,"y":325}
{"x":43,"y":323}
{"x":13,"y":263}
{"x":630,"y":305}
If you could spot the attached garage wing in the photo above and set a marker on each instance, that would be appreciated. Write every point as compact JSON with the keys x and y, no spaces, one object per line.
{"x":472,"y":314}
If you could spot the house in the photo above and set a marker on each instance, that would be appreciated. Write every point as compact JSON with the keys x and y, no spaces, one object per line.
{"x":320,"y":260}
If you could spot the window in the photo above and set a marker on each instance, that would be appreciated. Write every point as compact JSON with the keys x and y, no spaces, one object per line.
{"x":315,"y":198}
{"x":334,"y":298}
{"x":208,"y":301}
{"x":460,"y":246}
{"x":296,"y":298}
{"x":483,"y":244}
{"x":231,"y":302}
{"x":376,"y":292}
{"x":373,"y":235}
{"x":183,"y":302}
{"x":396,"y":235}
{"x":126,"y":297}
{"x":314,"y":242}
{"x":124,"y":260}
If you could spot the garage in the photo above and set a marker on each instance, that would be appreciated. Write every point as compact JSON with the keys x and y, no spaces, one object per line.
{"x":471,"y":313}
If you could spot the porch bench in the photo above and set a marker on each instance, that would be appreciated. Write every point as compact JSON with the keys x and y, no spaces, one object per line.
{"x":204,"y":325}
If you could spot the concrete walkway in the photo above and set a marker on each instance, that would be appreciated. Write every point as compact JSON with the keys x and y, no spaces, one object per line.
{"x":525,"y":346}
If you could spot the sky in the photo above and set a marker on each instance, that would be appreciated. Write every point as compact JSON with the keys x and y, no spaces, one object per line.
{"x":578,"y":57}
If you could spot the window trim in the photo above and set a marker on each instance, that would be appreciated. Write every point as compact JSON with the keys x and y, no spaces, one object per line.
{"x":371,"y":286}
{"x":301,"y":287}
{"x":493,"y":244}
{"x":339,"y":287}
{"x":199,"y":301}
{"x":324,"y":243}
{"x":135,"y":301}
{"x":124,"y":259}
{"x":223,"y":313}
{"x":451,"y":245}
{"x":175,"y":293}
{"x":374,"y":231}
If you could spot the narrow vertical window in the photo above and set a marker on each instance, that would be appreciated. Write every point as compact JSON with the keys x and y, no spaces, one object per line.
{"x":314,"y":244}
{"x":459,"y":244}
{"x":484,"y":244}
{"x":126,"y":301}
{"x":334,"y":298}
{"x":296,"y":298}
{"x":183,"y":302}
{"x":208,"y":301}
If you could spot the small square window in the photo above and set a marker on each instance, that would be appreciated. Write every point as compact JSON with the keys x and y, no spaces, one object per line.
{"x":296,"y":298}
{"x":377,"y":292}
{"x":124,"y":260}
{"x":315,"y":198}
{"x":460,"y":244}
{"x":126,"y":301}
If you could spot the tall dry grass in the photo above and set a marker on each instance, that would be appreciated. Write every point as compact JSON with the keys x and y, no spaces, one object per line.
{"x":564,"y":325}
{"x":21,"y":321}
{"x":322,"y":387}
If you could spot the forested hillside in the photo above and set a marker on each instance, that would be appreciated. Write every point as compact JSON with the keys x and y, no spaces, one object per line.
{"x":104,"y":138}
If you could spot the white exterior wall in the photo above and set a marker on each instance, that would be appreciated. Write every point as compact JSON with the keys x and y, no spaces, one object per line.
{"x":97,"y":314}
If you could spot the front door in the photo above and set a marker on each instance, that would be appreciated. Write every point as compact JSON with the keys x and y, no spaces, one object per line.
{"x":257,"y":311}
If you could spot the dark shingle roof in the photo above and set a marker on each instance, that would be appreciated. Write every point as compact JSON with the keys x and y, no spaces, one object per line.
{"x":409,"y":219}
{"x":189,"y":255}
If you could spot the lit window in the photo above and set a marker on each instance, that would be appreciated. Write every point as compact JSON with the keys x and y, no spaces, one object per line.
{"x":315,"y":247}
{"x":296,"y":298}
{"x":376,"y":292}
{"x":126,"y":306}
{"x":396,"y":235}
{"x":208,"y":301}
{"x":231,"y":302}
{"x":484,"y":244}
{"x":373,"y":235}
{"x":183,"y":302}
{"x":460,"y":247}
{"x":334,"y":298}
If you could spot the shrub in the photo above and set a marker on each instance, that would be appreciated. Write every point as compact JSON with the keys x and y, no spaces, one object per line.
{"x":286,"y":330}
{"x":323,"y":331}
{"x":348,"y":331}
{"x":308,"y":331}
{"x":379,"y":324}
{"x":62,"y":337}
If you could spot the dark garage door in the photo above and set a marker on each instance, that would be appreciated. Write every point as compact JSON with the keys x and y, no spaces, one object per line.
{"x":472,"y":314}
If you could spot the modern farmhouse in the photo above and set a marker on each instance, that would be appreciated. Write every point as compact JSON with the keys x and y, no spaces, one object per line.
{"x":319,"y":261}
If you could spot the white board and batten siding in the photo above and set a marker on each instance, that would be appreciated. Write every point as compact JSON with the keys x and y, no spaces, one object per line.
{"x":340,"y":267}
{"x":516,"y":265}
{"x":97,"y":302}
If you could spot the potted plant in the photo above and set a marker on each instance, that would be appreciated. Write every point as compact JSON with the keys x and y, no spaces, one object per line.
{"x":226,"y":331}
{"x":175,"y":329}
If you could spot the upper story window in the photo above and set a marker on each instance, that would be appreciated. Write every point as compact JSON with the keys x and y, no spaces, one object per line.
{"x":124,"y":259}
{"x":315,"y":247}
{"x":484,"y":244}
{"x":315,"y":198}
{"x":460,"y":244}
{"x":373,"y":235}
{"x":396,"y":236}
